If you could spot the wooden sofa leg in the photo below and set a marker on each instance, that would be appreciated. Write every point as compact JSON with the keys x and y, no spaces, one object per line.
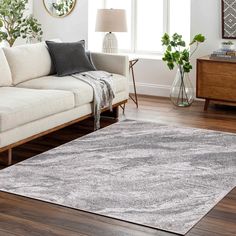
{"x":9,"y":161}
{"x":114,"y":114}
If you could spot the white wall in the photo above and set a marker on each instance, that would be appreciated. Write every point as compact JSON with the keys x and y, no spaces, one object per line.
{"x":206,"y":19}
{"x":152,"y":75}
{"x":73,"y":27}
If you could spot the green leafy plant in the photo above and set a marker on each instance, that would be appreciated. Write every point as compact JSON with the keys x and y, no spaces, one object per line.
{"x":64,"y":7}
{"x":14,"y":24}
{"x":177,"y":54}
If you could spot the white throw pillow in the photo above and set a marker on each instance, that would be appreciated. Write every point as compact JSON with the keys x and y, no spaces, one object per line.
{"x":5,"y":72}
{"x":28,"y":61}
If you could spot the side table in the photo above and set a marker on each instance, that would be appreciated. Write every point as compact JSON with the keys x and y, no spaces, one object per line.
{"x":132,"y":63}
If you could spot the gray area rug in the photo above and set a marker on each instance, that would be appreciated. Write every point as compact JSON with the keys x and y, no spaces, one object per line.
{"x":147,"y":173}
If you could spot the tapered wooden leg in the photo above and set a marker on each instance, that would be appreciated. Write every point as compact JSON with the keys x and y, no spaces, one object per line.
{"x":9,"y":160}
{"x":113,"y":114}
{"x":206,"y":104}
{"x":116,"y":112}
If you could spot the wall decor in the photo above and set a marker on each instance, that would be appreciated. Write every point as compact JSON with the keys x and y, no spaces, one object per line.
{"x":229,"y":19}
{"x":59,"y":8}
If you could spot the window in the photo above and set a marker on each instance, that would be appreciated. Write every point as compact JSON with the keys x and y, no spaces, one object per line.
{"x":147,"y":22}
{"x":149,"y":25}
{"x":179,"y":18}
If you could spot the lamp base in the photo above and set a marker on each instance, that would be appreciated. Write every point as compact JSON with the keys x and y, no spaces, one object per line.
{"x":110,"y":43}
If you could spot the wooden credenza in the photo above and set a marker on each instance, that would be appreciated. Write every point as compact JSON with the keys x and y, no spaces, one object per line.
{"x":216,"y":81}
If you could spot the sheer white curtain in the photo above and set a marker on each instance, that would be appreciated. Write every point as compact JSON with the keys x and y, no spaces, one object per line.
{"x":179,"y":18}
{"x":149,"y":25}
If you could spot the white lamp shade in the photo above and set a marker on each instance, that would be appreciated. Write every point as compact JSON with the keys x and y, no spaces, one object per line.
{"x":111,"y":20}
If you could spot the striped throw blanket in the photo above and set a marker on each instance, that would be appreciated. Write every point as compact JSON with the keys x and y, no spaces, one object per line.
{"x":103,"y":91}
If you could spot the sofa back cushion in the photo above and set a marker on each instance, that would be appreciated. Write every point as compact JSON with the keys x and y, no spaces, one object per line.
{"x":28,"y":61}
{"x":5,"y":72}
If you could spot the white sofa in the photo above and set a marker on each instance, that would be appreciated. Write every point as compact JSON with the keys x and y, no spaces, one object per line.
{"x":34,"y":101}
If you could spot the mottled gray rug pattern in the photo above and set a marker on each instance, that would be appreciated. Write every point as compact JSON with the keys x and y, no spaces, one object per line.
{"x":147,"y":173}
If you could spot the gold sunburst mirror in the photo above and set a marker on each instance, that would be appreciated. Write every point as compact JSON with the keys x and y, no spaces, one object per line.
{"x":59,"y":8}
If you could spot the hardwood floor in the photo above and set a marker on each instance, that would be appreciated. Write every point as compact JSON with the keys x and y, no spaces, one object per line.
{"x":218,"y":117}
{"x":27,"y":217}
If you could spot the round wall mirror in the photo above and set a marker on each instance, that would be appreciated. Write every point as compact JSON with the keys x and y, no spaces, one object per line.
{"x":59,"y":8}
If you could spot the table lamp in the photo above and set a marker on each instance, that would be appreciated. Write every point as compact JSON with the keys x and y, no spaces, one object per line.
{"x":111,"y":20}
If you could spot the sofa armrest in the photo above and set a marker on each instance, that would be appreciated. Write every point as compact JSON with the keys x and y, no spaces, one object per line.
{"x":112,"y":63}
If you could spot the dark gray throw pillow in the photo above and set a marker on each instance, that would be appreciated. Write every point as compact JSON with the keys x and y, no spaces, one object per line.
{"x":69,"y":58}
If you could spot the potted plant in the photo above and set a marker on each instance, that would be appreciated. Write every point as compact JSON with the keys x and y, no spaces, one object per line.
{"x":227,"y":46}
{"x":177,"y":54}
{"x":14,"y":24}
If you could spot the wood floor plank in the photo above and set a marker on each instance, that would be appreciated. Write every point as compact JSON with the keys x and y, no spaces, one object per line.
{"x":24,"y":211}
{"x":30,"y":228}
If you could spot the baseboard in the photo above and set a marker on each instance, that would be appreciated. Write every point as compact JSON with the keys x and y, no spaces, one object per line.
{"x":151,"y":89}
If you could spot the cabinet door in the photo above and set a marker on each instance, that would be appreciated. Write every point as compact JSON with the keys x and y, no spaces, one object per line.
{"x":216,"y":80}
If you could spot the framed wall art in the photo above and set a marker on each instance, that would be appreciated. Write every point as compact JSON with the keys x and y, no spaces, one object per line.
{"x":229,"y":19}
{"x":59,"y":8}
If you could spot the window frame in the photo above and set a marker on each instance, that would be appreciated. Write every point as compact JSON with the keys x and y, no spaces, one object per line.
{"x":134,"y":26}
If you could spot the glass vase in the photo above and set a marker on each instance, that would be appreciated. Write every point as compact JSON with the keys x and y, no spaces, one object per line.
{"x":182,"y":92}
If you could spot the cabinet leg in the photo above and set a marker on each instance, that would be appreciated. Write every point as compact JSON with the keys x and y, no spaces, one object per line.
{"x":206,"y":104}
{"x":9,"y":160}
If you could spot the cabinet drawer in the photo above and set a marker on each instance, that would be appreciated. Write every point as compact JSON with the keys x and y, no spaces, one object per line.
{"x":217,"y":93}
{"x":220,"y":68}
{"x":216,"y":80}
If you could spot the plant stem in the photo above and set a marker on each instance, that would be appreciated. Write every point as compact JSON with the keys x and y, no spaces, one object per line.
{"x":197,"y":44}
{"x":182,"y":87}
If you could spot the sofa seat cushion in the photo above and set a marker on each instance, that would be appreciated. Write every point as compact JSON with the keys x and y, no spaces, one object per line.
{"x":82,"y":91}
{"x":19,"y":106}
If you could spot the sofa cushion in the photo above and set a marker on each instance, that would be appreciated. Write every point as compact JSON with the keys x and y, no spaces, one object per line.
{"x":83,"y":92}
{"x":19,"y":106}
{"x":28,"y":61}
{"x":69,"y":58}
{"x":5,"y":72}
